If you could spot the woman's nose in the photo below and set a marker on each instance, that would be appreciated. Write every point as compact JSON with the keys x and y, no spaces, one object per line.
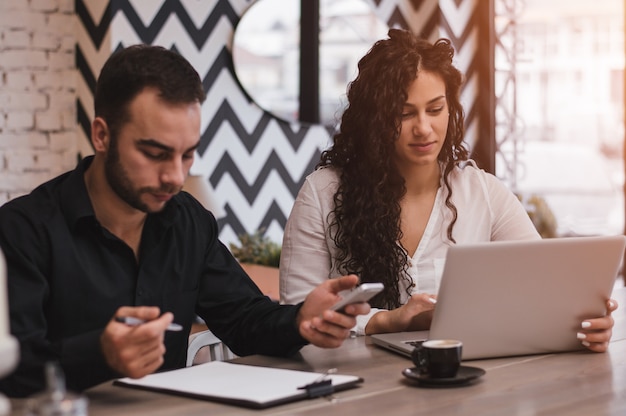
{"x":421,"y":126}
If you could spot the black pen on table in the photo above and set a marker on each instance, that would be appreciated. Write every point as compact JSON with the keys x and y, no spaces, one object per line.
{"x":132,"y":321}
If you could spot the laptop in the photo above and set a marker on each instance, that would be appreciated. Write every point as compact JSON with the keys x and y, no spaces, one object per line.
{"x":519,"y":297}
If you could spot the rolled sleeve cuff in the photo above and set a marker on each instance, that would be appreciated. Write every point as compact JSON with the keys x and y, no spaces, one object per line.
{"x":362,"y":321}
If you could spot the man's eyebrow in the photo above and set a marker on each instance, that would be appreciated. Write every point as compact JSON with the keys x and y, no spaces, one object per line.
{"x":159,"y":145}
{"x":154,"y":143}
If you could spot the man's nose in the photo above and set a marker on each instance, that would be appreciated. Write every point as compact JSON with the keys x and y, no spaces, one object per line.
{"x":174,"y":173}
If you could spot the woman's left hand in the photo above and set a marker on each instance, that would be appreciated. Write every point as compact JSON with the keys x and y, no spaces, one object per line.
{"x":595,"y":334}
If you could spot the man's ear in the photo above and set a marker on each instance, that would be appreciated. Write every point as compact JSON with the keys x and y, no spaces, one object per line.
{"x":100,"y":135}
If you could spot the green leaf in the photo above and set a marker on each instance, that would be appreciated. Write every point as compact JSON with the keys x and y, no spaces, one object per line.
{"x":256,"y":248}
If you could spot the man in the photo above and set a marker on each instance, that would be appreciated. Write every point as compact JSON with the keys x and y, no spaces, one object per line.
{"x":116,"y":238}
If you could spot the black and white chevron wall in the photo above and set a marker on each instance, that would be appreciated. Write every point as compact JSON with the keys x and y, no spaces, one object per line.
{"x":254,"y":162}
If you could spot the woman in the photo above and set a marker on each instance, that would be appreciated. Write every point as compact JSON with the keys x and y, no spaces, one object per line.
{"x":396,"y":189}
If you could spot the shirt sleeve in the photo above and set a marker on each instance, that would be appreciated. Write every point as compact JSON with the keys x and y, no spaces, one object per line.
{"x":510,"y":219}
{"x":307,"y":253}
{"x":363,"y":320}
{"x":238,"y":313}
{"x":305,"y":260}
{"x":27,"y":255}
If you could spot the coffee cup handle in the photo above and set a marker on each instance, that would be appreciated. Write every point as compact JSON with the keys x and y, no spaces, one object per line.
{"x":420,"y":358}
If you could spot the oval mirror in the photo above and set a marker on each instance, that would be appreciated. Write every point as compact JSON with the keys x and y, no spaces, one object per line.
{"x":266,"y":53}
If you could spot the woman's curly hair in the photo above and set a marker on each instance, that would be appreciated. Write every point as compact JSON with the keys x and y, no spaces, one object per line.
{"x":365,"y":223}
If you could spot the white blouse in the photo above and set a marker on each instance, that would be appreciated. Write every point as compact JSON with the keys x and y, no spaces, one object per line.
{"x":487,"y":211}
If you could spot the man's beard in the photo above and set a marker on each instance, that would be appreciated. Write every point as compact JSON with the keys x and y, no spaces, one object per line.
{"x":118,"y":180}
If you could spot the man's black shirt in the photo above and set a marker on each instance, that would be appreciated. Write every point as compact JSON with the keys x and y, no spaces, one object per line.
{"x":67,"y":275}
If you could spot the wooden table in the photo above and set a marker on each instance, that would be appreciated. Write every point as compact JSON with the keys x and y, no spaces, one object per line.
{"x":574,"y":383}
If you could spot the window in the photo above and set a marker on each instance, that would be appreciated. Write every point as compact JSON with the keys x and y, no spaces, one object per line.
{"x":565,"y":111}
{"x":266,"y":53}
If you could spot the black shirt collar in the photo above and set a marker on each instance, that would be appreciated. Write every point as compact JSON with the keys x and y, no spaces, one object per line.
{"x":75,"y":201}
{"x":76,"y":204}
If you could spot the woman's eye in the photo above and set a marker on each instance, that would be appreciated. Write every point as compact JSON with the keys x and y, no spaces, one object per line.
{"x":436,"y":110}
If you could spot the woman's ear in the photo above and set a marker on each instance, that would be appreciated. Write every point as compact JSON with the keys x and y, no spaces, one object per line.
{"x":100,"y":135}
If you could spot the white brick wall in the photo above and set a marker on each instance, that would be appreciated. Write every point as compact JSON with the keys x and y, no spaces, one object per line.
{"x":37,"y":93}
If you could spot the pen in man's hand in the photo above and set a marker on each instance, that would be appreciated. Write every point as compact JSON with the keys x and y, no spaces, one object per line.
{"x":132,"y":321}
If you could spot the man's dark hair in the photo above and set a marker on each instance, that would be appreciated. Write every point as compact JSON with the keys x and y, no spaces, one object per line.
{"x":128,"y":71}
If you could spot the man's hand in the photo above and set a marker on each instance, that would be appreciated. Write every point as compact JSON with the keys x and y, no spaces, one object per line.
{"x":135,"y":351}
{"x":323,"y":327}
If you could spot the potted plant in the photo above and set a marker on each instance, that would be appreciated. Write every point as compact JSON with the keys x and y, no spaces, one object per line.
{"x":541,"y":215}
{"x":259,"y":256}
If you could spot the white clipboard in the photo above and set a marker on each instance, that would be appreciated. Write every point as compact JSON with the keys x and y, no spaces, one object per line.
{"x":243,"y":385}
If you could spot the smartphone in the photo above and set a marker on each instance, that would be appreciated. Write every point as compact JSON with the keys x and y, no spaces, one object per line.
{"x":361,"y":293}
